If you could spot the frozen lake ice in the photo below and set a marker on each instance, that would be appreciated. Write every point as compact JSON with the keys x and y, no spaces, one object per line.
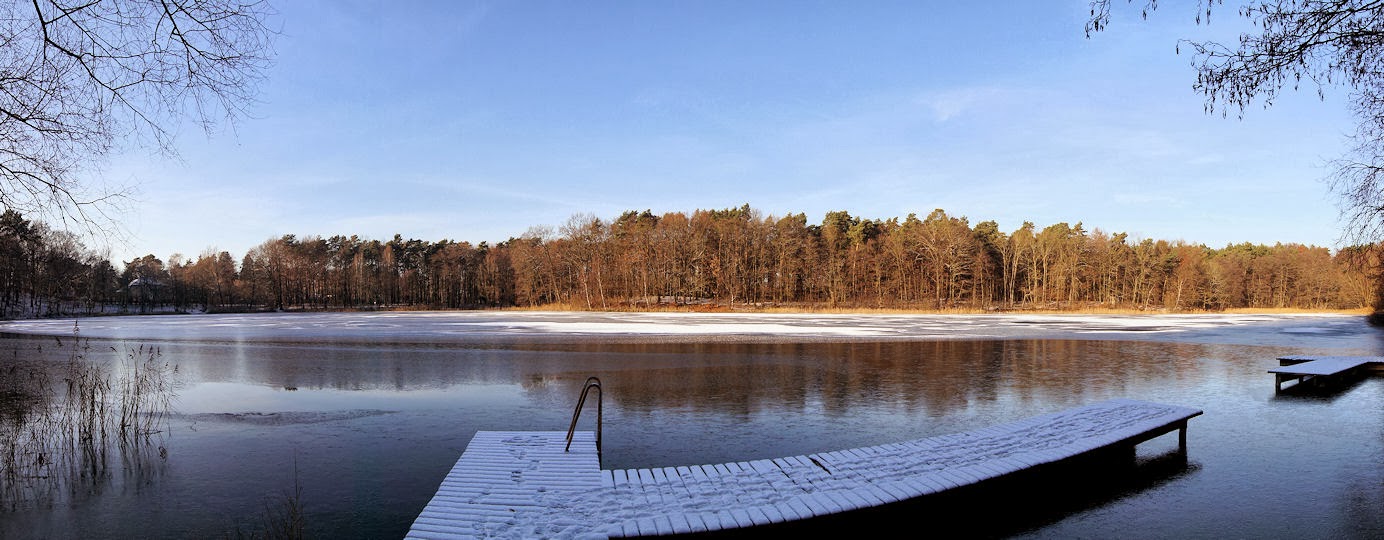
{"x":1258,"y":329}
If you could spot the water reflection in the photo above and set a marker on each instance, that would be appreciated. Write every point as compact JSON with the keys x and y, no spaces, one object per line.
{"x":71,"y":430}
{"x":373,"y":427}
{"x":911,"y":378}
{"x":397,"y":368}
{"x":893,"y":384}
{"x":732,"y":377}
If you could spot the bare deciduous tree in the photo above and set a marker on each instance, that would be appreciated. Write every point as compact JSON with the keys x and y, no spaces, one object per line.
{"x":79,"y":78}
{"x":1319,"y":43}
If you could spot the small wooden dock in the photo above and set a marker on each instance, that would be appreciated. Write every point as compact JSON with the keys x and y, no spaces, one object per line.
{"x":1321,"y":369}
{"x":523,"y":485}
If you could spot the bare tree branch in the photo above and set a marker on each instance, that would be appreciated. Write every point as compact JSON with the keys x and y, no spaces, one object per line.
{"x":1322,"y":43}
{"x":81,"y":78}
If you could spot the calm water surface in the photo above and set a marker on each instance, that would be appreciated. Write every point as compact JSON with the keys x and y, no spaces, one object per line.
{"x":369,"y":421}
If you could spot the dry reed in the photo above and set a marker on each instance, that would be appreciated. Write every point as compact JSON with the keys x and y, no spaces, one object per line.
{"x":61,"y":425}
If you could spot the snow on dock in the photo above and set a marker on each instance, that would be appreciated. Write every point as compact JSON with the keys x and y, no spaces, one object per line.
{"x":522,"y":484}
{"x":506,"y":484}
{"x":1303,"y":368}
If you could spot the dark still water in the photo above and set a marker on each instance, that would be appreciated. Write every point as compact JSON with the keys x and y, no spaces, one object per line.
{"x":366,"y":427}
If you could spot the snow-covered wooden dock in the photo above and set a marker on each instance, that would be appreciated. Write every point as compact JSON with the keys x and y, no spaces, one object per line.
{"x":1303,"y":368}
{"x":523,"y":485}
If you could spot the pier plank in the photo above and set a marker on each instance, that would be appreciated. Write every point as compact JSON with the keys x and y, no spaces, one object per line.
{"x":522,"y":484}
{"x":1302,"y":368}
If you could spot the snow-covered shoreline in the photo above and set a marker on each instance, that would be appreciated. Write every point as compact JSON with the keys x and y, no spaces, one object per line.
{"x":452,"y":326}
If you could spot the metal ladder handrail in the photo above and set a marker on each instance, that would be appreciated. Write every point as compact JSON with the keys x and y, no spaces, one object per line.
{"x":591,"y":382}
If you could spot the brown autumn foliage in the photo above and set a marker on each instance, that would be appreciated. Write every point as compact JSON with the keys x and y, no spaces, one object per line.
{"x":734,"y":258}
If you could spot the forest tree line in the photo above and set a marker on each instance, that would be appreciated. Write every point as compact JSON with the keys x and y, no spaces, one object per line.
{"x":731,"y":257}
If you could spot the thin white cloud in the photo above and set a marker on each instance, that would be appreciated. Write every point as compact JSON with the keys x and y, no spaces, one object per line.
{"x":951,"y":103}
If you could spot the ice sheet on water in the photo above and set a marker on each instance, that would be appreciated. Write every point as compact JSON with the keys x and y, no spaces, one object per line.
{"x":1308,"y":330}
{"x":1277,"y":329}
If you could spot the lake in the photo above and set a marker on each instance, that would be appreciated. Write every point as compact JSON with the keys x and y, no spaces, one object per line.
{"x":363,"y":414}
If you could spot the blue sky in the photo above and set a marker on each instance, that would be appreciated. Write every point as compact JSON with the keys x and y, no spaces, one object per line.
{"x":476,"y":120}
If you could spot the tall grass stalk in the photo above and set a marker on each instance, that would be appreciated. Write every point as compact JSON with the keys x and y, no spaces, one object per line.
{"x":59,"y":426}
{"x":146,"y":393}
{"x":283,"y":516}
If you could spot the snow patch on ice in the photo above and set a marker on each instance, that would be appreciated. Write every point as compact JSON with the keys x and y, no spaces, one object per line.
{"x":689,"y":328}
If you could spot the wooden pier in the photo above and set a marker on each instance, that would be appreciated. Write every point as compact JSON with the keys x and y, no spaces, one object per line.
{"x":1321,"y":369}
{"x":523,"y":485}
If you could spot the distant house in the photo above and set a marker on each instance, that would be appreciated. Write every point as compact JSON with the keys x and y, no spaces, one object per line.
{"x":144,"y":290}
